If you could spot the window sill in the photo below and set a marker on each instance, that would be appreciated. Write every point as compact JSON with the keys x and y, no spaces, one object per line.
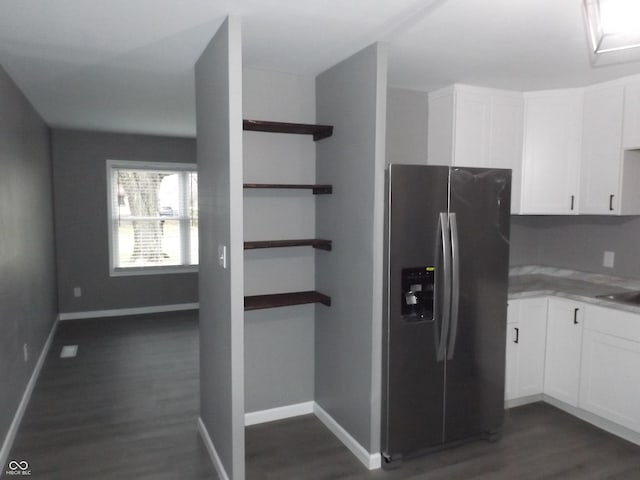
{"x":135,"y":271}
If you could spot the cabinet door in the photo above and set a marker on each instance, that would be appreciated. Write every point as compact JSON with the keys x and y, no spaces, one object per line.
{"x":531,"y":347}
{"x":564,"y":343}
{"x":471,"y":142}
{"x":511,"y":363}
{"x":601,"y":150}
{"x":526,"y":336}
{"x":631,"y":132}
{"x":610,"y":378}
{"x":553,"y":124}
{"x":440,"y":127}
{"x":505,"y":140}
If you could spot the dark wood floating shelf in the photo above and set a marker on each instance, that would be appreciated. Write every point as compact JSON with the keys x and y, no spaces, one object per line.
{"x":312,"y":242}
{"x":259,"y":302}
{"x":316,"y":189}
{"x":318,"y":131}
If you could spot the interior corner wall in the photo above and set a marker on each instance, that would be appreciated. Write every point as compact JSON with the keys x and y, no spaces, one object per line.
{"x":82,"y":232}
{"x":279,"y":343}
{"x":218,"y":74}
{"x":28,"y":304}
{"x":407,"y":121}
{"x":352,"y":97}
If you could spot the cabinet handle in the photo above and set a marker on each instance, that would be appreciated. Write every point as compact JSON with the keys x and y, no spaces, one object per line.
{"x":517,"y":340}
{"x":575,"y":316}
{"x":611,"y":203}
{"x":572,"y":200}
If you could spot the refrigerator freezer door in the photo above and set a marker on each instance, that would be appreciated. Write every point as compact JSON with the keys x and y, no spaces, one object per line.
{"x":474,"y":389}
{"x":413,"y":380}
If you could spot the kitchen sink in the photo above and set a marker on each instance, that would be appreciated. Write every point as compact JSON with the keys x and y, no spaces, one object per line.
{"x":630,"y":297}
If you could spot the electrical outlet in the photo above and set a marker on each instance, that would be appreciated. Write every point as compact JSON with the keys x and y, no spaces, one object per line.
{"x":77,"y":292}
{"x":608,"y":259}
{"x":25,"y":351}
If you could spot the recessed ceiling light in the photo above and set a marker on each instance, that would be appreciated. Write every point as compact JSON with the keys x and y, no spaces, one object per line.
{"x":613,"y":24}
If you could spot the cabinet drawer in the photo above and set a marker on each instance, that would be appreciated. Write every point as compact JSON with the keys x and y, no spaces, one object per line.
{"x":613,"y":322}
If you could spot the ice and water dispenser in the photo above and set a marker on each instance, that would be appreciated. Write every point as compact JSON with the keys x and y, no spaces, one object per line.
{"x":417,"y":293}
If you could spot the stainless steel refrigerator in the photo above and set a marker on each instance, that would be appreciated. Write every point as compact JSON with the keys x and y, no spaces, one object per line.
{"x":446,"y":274}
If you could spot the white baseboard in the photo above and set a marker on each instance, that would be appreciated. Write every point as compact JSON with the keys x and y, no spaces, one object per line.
{"x":121,"y":312}
{"x":370,"y":460}
{"x":278,"y":413}
{"x":26,"y":396}
{"x":604,"y":424}
{"x":215,"y":458}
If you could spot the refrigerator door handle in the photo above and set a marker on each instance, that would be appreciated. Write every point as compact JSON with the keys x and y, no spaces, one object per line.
{"x":444,"y":234}
{"x":455,"y":284}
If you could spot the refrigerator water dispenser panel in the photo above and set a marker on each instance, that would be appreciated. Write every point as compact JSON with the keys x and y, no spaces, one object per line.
{"x":417,"y":293}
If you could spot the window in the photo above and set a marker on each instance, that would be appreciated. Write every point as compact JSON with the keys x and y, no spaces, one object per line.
{"x":153,"y":217}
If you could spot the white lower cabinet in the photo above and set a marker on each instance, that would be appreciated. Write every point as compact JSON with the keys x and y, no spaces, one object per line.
{"x":563,"y":350}
{"x":526,"y":335}
{"x":584,"y":355}
{"x":610,"y":377}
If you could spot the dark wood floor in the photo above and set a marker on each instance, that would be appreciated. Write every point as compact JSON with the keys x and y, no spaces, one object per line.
{"x":539,"y":442}
{"x":126,"y":407}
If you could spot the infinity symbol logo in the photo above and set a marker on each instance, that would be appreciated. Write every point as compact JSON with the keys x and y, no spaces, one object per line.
{"x":13,"y":465}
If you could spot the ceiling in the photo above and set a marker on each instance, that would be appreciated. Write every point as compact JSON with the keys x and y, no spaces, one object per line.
{"x":127,"y":65}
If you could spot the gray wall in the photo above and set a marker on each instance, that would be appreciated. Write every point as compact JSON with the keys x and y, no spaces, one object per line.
{"x":407,"y":116}
{"x":219,"y":131}
{"x":577,"y":242}
{"x":352,"y":97}
{"x":82,"y":236}
{"x":279,"y":343}
{"x":27,"y":261}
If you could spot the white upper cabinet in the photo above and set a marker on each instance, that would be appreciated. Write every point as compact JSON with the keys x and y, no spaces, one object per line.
{"x":551,"y":166}
{"x":609,"y":174}
{"x":571,"y":151}
{"x":471,"y":129}
{"x":601,"y":150}
{"x":440,"y":127}
{"x":477,"y":127}
{"x":505,"y":140}
{"x":631,"y":133}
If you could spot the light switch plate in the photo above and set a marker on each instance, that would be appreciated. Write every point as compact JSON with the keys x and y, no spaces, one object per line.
{"x":222,"y":256}
{"x":608,"y":259}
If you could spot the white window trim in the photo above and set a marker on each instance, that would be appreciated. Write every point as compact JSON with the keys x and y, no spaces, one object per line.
{"x":140,"y":165}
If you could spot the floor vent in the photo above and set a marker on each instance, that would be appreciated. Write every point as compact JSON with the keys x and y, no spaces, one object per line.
{"x":69,"y":351}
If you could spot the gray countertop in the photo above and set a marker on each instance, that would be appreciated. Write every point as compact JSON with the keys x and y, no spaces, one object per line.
{"x":537,"y":281}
